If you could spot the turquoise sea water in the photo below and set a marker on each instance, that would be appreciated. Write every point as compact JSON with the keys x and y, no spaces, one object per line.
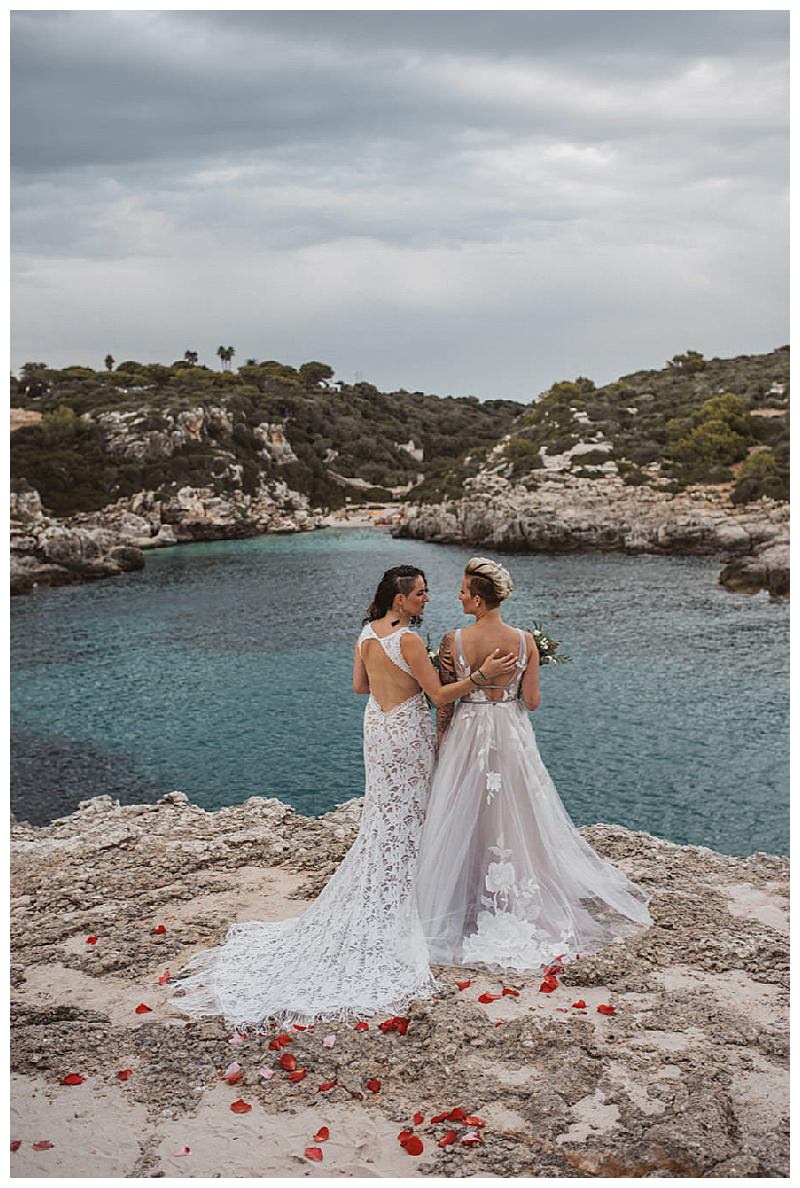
{"x":225,"y":670}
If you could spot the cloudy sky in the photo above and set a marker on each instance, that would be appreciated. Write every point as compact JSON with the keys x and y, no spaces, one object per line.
{"x":459,"y":202}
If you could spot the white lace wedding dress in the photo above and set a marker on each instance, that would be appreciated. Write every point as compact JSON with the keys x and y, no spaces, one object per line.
{"x":504,"y":879}
{"x":358,"y":950}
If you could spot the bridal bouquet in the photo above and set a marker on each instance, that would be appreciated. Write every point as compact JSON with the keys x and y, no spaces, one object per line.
{"x":548,"y":648}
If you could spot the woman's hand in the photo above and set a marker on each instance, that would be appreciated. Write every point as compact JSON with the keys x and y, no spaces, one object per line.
{"x":498,"y":666}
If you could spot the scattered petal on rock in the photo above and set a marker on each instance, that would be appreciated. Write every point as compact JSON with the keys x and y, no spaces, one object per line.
{"x":474,"y":1121}
{"x":418,"y":1118}
{"x":413,"y":1146}
{"x":143,"y":1009}
{"x":298,"y":1075}
{"x":299,"y":1027}
{"x":183,"y":1151}
{"x":549,"y":984}
{"x":283,"y":1039}
{"x":162,"y":981}
{"x":464,"y":985}
{"x":43,"y":1145}
{"x":240,"y":1107}
{"x":233,"y":1074}
{"x":329,"y":1041}
{"x":266,"y":1073}
{"x":473,"y":1139}
{"x":438,"y":1118}
{"x":288,"y":1061}
{"x":580,"y":1004}
{"x":159,"y":930}
{"x":124,"y":1074}
{"x":512,"y":993}
{"x":237,"y":1039}
{"x":361,"y":1026}
{"x":91,"y":940}
{"x":322,"y":1135}
{"x":16,"y":1144}
{"x":326,"y":1086}
{"x":457,"y":1115}
{"x":314,"y":1153}
{"x":404,"y":1136}
{"x":487,"y":997}
{"x":374,"y":1085}
{"x":73,"y":1079}
{"x":605,"y":1009}
{"x":447,"y":1139}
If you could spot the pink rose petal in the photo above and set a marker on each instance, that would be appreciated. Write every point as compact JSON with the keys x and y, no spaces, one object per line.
{"x":329,"y":1041}
{"x":232,"y":1069}
{"x":183,"y":1151}
{"x":266,"y":1073}
{"x":236,"y":1038}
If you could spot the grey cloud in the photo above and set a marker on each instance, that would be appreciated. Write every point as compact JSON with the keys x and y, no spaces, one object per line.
{"x":515,"y":175}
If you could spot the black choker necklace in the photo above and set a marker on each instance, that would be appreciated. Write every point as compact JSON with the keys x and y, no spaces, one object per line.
{"x":394,"y":622}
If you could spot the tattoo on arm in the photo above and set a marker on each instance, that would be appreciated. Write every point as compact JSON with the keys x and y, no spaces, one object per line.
{"x":447,"y":675}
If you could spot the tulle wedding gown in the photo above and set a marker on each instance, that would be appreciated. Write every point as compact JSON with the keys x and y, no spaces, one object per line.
{"x":358,"y":949}
{"x":504,"y":879}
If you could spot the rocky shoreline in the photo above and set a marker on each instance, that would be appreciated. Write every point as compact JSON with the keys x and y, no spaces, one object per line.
{"x":688,"y":1077}
{"x":560,"y":514}
{"x":47,"y":551}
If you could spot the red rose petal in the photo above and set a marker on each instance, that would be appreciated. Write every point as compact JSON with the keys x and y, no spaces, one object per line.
{"x":327,"y":1085}
{"x":486,"y":997}
{"x":388,"y":1025}
{"x":298,"y":1075}
{"x":474,"y":1121}
{"x":513,"y":993}
{"x":91,"y":940}
{"x":447,"y":1139}
{"x":604,"y":1009}
{"x":73,"y":1079}
{"x":162,"y":981}
{"x":183,"y":1151}
{"x":240,"y":1107}
{"x":43,"y":1145}
{"x":549,"y":984}
{"x":322,"y":1135}
{"x":235,"y":1078}
{"x":299,"y":1027}
{"x":401,"y":1025}
{"x":438,"y":1118}
{"x":457,"y":1115}
{"x":580,"y":1004}
{"x":16,"y":1144}
{"x":471,"y":1140}
{"x":124,"y":1074}
{"x":374,"y":1085}
{"x":414,"y":1146}
{"x":314,"y":1153}
{"x":404,"y":1136}
{"x":159,"y":930}
{"x":418,"y":1119}
{"x":283,"y":1039}
{"x":288,"y":1061}
{"x":143,"y":1009}
{"x":464,"y":985}
{"x":361,"y":1027}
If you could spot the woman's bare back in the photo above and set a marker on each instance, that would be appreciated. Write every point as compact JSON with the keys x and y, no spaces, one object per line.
{"x":389,"y":685}
{"x":479,"y":639}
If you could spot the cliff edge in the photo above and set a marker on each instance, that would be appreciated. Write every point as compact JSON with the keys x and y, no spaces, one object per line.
{"x":687,"y":1077}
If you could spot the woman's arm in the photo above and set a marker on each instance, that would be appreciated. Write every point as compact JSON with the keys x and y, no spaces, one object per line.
{"x":530,"y":680}
{"x":360,"y":678}
{"x":427,"y":677}
{"x":447,"y":675}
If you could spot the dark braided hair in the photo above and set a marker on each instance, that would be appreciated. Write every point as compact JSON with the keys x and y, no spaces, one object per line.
{"x":398,"y":580}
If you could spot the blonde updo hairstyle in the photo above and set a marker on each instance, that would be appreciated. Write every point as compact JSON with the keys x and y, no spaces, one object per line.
{"x":489,"y":580}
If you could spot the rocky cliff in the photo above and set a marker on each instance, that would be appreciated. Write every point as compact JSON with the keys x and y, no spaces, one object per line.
{"x":561,"y":513}
{"x":48,"y":551}
{"x":687,"y":1077}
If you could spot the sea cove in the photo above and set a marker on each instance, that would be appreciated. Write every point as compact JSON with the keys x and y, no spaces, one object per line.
{"x":224,"y":670}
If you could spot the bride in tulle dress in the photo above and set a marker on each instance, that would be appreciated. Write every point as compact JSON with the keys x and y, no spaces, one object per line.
{"x":358,"y":949}
{"x":504,"y":879}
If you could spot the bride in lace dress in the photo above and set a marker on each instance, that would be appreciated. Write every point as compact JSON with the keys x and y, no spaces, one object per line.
{"x":504,"y":879}
{"x":358,"y":949}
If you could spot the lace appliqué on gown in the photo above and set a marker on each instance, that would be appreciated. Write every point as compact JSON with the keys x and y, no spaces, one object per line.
{"x":358,"y":950}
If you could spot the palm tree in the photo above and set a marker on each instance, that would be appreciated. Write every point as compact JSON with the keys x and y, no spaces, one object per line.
{"x":230,"y":353}
{"x":190,"y":357}
{"x":109,"y":362}
{"x":226,"y":354}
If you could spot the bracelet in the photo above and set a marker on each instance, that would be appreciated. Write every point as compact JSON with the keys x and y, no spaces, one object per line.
{"x":471,"y":675}
{"x":479,"y":672}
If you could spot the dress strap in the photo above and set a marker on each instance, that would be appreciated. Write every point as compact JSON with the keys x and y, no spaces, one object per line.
{"x":522,"y":659}
{"x":458,"y":654}
{"x":390,"y":645}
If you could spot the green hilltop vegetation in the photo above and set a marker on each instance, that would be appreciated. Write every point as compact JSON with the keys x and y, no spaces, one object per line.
{"x":350,"y":430}
{"x":695,"y":421}
{"x":110,"y":433}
